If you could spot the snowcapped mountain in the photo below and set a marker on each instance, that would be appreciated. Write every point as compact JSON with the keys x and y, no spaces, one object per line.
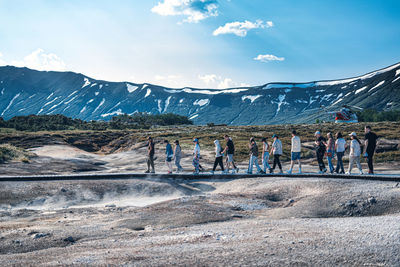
{"x":24,"y":91}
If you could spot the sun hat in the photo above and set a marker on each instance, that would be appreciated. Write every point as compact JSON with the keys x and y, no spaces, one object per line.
{"x":195,"y":140}
{"x":274,"y":136}
{"x":317,"y":132}
{"x":353,"y":134}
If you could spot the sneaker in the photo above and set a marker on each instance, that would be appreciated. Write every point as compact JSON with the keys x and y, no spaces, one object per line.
{"x":233,"y":172}
{"x":195,"y":173}
{"x":289,"y":172}
{"x":320,"y":172}
{"x":361,"y":172}
{"x":249,"y":172}
{"x":147,"y":171}
{"x":299,"y":171}
{"x":237,"y":170}
{"x":153,"y":172}
{"x":271,"y":170}
{"x":261,"y":172}
{"x":325,"y":170}
{"x":347,"y":173}
{"x":169,"y":172}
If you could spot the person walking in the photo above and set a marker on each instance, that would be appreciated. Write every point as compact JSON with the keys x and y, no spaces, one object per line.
{"x":178,"y":156}
{"x":369,"y":147}
{"x":296,"y":151}
{"x":150,"y":155}
{"x":265,"y":154}
{"x":254,"y":157}
{"x":331,"y":151}
{"x":320,"y":142}
{"x":355,"y":153}
{"x":169,"y":155}
{"x":196,"y":156}
{"x":218,"y":157}
{"x":230,"y":151}
{"x":340,"y":145}
{"x":276,"y":150}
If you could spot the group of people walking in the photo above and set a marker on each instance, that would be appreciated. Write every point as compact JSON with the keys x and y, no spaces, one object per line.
{"x":329,"y":147}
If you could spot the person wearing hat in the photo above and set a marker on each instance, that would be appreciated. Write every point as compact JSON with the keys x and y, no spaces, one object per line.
{"x":355,"y":153}
{"x":196,"y":156}
{"x":320,"y":142}
{"x":276,"y":150}
{"x":150,"y":155}
{"x":178,"y":156}
{"x":254,"y":157}
{"x":265,"y":154}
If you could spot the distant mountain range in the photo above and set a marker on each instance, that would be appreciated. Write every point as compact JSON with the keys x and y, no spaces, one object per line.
{"x":24,"y":91}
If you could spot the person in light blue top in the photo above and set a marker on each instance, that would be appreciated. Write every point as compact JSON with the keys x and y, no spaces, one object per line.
{"x":169,"y":155}
{"x":265,"y":154}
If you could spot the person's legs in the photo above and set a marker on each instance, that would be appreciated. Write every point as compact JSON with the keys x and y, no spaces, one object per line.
{"x":151,"y":159}
{"x":320,"y":159}
{"x":279,"y":162}
{"x":351,"y":162}
{"x":257,"y":165}
{"x":169,"y":164}
{"x":196,"y":165}
{"x":370,"y":162}
{"x":148,"y":164}
{"x":275,"y":162}
{"x":221,"y":163}
{"x":330,"y":164}
{"x":251,"y":161}
{"x":339,"y":164}
{"x":357,"y":159}
{"x":265,"y":162}
{"x":215,"y":164}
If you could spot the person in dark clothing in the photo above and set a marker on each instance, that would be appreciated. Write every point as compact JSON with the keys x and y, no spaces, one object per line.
{"x":218,"y":157}
{"x":320,"y":142}
{"x":229,"y":152}
{"x":369,"y":148}
{"x":150,"y":155}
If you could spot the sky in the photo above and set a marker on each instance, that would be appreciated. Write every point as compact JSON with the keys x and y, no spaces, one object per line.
{"x":202,"y":43}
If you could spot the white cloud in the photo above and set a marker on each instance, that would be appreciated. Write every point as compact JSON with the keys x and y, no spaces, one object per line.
{"x":267,"y":58}
{"x":241,"y":28}
{"x":169,"y":80}
{"x":194,"y":10}
{"x":39,"y":60}
{"x":218,"y":82}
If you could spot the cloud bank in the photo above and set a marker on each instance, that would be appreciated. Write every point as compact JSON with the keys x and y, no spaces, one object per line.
{"x":268,"y":58}
{"x":193,"y":10}
{"x":241,"y":28}
{"x":39,"y":60}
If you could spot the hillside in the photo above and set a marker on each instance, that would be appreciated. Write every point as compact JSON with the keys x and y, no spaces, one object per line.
{"x":24,"y":91}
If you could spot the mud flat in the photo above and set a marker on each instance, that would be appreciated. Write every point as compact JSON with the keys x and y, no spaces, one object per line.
{"x":158,"y":222}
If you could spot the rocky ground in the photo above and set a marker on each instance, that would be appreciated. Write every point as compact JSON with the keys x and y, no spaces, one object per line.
{"x":146,"y":222}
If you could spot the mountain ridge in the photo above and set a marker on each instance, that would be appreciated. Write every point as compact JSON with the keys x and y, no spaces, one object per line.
{"x":25,"y":91}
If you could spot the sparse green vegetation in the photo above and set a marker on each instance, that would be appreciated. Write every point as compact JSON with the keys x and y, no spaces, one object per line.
{"x":9,"y":153}
{"x":372,"y":115}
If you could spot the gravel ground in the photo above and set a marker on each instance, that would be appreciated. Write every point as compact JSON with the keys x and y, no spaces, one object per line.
{"x":250,"y":222}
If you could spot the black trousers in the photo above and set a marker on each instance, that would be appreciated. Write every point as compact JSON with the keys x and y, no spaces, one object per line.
{"x":339,"y":166}
{"x":277,"y":161}
{"x":370,"y":161}
{"x":320,"y":159}
{"x":217,"y":161}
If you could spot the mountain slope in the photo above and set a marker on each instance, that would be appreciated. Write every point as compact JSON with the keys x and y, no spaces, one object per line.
{"x":24,"y":91}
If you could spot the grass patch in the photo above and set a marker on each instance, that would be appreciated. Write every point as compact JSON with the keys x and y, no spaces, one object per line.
{"x":12,"y":153}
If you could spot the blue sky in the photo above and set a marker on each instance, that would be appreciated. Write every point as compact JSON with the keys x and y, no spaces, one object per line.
{"x":202,"y":43}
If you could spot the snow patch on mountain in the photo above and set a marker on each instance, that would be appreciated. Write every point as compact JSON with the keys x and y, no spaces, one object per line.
{"x":193,"y":116}
{"x":48,"y":103}
{"x":10,"y":104}
{"x":131,"y":88}
{"x":252,"y":98}
{"x":180,"y":101}
{"x":93,"y":84}
{"x":50,"y":96}
{"x":376,"y":86}
{"x":117,"y":112}
{"x":361,"y":89}
{"x":167,"y":104}
{"x":83,"y":109}
{"x":147,"y":93}
{"x":86,"y":82}
{"x":101,"y":103}
{"x":205,"y":91}
{"x":201,"y":102}
{"x":159,"y":106}
{"x":395,"y":80}
{"x":72,"y":99}
{"x":286,"y":85}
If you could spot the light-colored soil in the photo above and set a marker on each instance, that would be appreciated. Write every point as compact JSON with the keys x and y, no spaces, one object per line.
{"x":144,"y":222}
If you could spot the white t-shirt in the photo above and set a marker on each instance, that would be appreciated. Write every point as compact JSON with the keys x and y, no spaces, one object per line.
{"x":296,"y":144}
{"x":196,"y":150}
{"x":355,"y":149}
{"x":340,"y":145}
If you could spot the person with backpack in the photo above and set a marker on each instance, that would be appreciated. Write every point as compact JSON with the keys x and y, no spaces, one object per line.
{"x":340,"y":145}
{"x":265,"y":154}
{"x":169,"y":155}
{"x":150,"y":155}
{"x":229,"y":151}
{"x":355,"y":153}
{"x":320,"y":143}
{"x":218,"y":157}
{"x":276,"y":150}
{"x":331,"y":151}
{"x":369,"y":147}
{"x":295,"y":152}
{"x":178,"y":156}
{"x":254,"y":157}
{"x":196,"y":156}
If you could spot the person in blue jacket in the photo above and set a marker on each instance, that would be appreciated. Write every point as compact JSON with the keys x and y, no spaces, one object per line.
{"x":169,"y":155}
